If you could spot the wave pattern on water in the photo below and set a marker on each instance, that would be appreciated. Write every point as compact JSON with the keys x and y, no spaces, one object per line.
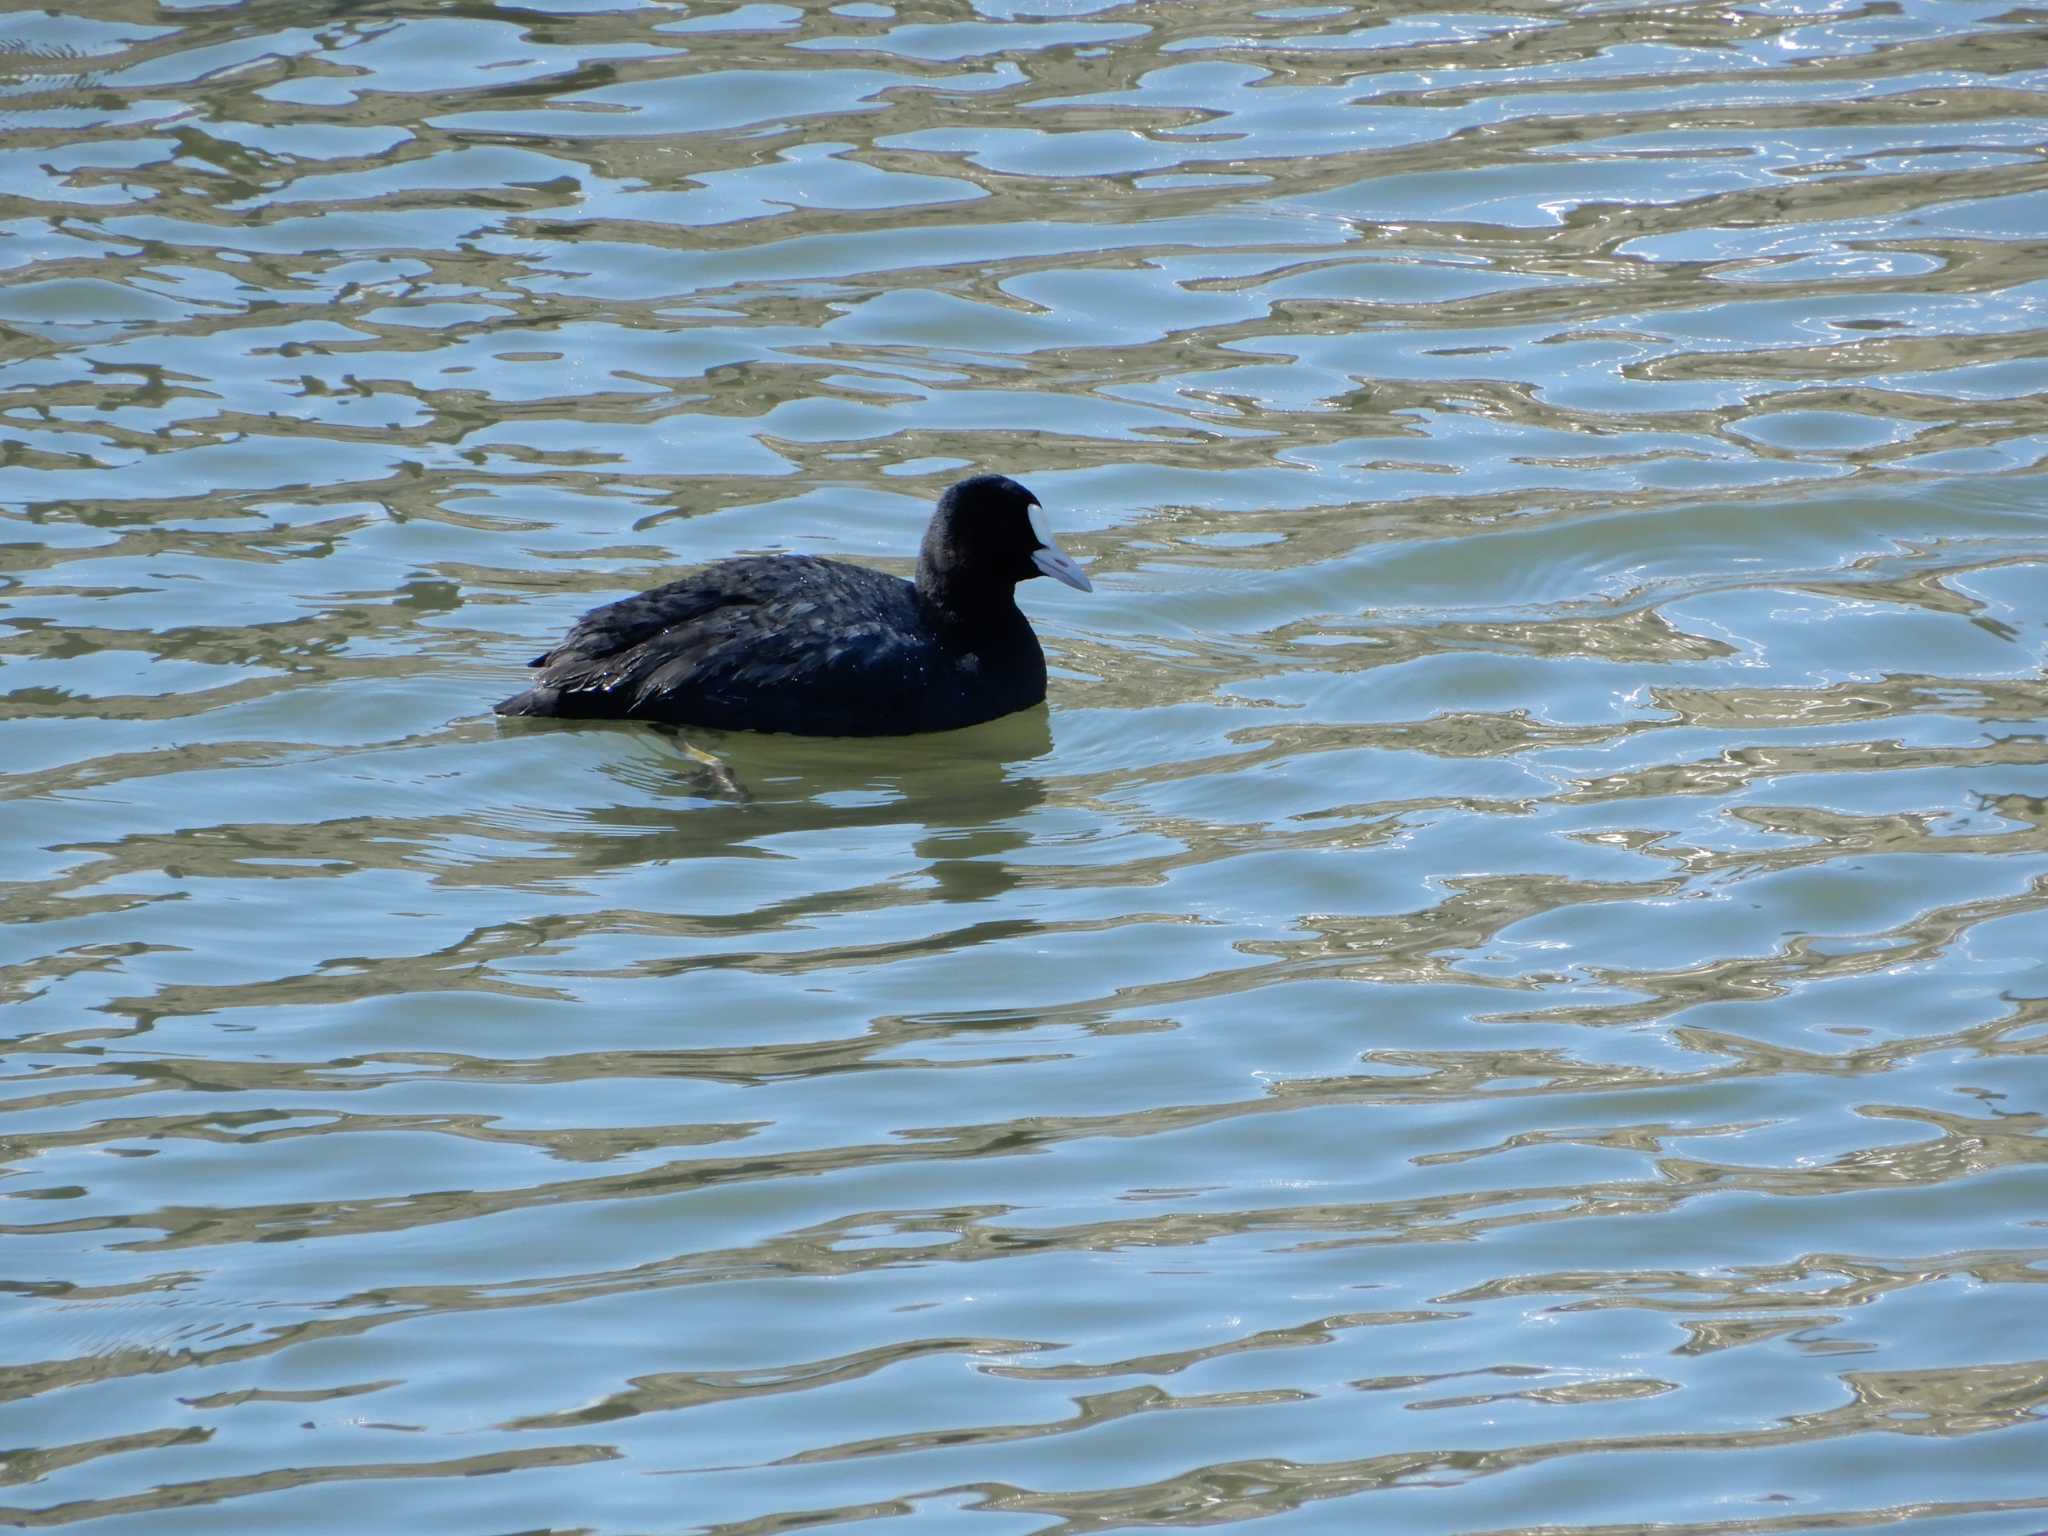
{"x":1504,"y":992}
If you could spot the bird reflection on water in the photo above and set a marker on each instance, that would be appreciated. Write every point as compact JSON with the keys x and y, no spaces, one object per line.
{"x":709,"y":794}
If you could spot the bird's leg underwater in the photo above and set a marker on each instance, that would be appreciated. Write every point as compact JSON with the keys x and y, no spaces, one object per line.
{"x":715,"y":770}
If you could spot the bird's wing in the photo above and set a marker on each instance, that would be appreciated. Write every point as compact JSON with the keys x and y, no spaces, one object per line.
{"x":746,"y":641}
{"x":620,"y":626}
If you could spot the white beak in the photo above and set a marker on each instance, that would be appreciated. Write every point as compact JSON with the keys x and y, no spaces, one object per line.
{"x":1051,"y":559}
{"x":1059,"y":565}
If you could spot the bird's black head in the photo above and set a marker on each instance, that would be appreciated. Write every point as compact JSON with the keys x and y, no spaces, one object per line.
{"x":988,"y":534}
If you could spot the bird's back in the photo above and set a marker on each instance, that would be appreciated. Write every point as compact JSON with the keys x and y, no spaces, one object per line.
{"x":784,"y":643}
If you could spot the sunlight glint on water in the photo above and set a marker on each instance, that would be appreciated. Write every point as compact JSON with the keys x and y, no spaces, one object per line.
{"x":1504,"y":990}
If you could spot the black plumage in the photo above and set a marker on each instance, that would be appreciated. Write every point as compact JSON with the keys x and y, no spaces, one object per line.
{"x":822,"y":648}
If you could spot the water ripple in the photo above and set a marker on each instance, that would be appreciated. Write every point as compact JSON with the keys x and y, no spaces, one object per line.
{"x":1541,"y":822}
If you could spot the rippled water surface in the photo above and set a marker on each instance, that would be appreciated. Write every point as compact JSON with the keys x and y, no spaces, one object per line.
{"x":1503,"y":992}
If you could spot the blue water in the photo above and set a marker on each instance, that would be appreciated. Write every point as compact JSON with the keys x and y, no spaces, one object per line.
{"x":1503,"y":992}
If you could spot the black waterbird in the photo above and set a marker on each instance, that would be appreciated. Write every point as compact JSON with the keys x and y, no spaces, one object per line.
{"x":822,"y":648}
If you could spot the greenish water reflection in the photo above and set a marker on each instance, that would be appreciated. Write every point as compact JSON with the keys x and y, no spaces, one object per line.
{"x":1503,"y":991}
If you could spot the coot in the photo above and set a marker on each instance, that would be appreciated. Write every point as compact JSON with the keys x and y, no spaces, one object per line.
{"x":822,"y":648}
